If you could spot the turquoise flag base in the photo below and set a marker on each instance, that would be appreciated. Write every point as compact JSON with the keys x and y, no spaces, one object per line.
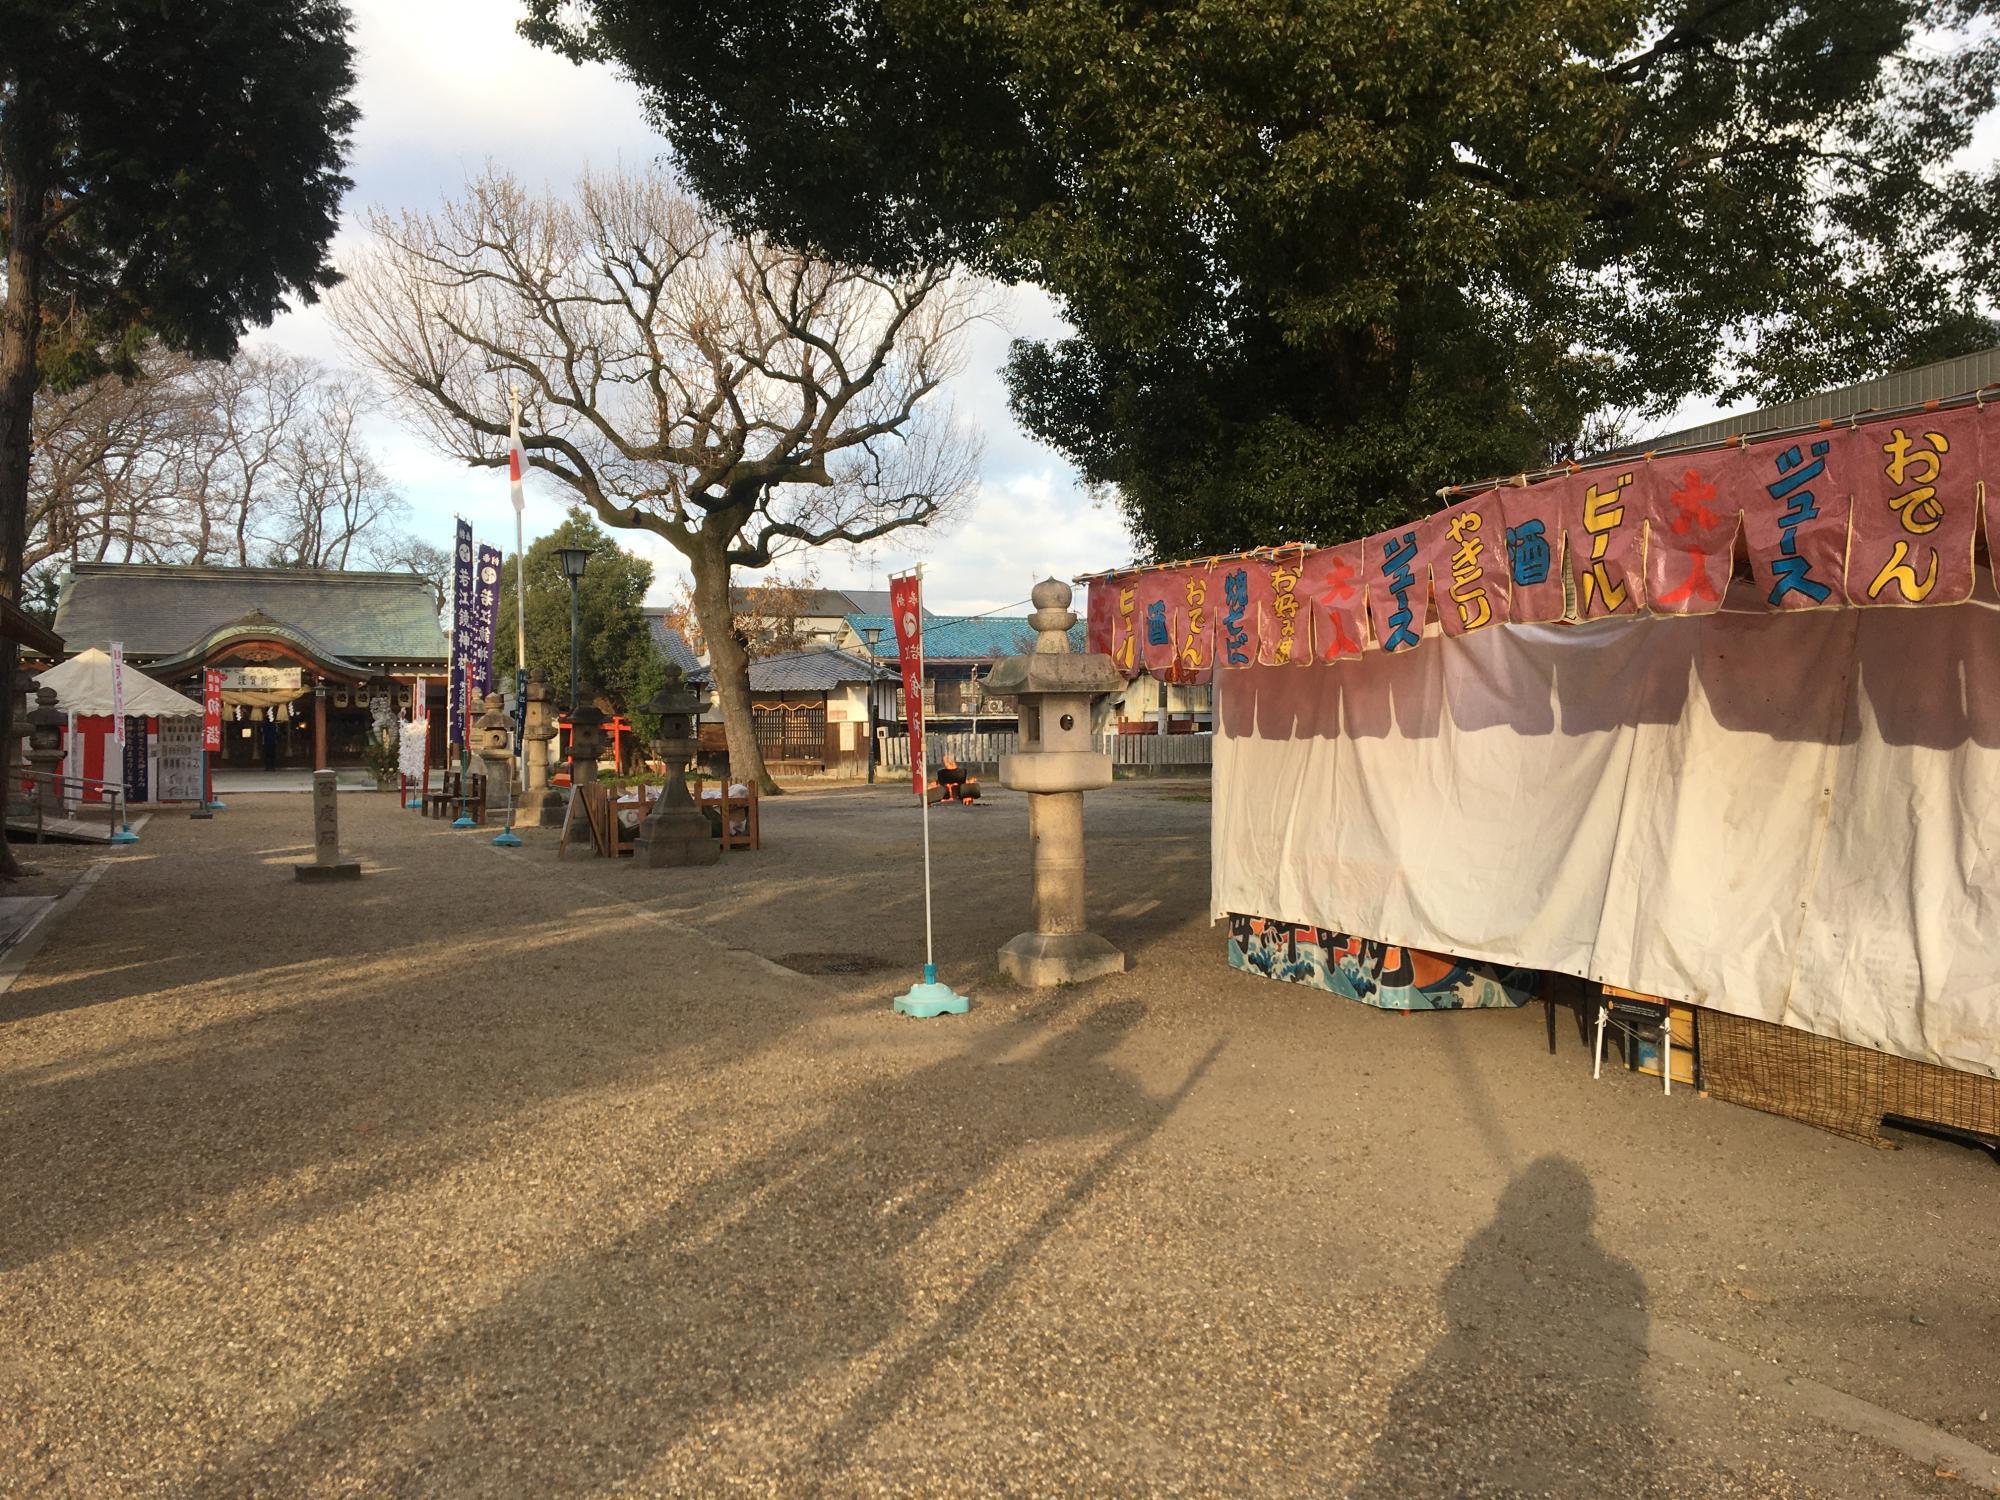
{"x":413,"y":805}
{"x":218,"y":806}
{"x":463,"y":820}
{"x":124,"y":836}
{"x":506,"y":840}
{"x":931,"y":998}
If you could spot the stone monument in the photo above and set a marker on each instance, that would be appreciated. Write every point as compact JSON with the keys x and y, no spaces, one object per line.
{"x":539,"y":804}
{"x":675,"y":832}
{"x":45,"y":751}
{"x":327,"y":863}
{"x":1055,"y":766}
{"x":493,"y":743}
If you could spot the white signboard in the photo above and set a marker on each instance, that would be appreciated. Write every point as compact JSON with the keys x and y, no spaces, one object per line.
{"x":177,"y":764}
{"x":262,"y":679}
{"x":118,"y":694}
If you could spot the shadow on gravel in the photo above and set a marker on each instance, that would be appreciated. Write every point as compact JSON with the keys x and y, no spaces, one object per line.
{"x":1535,"y":1387}
{"x":787,"y":1268}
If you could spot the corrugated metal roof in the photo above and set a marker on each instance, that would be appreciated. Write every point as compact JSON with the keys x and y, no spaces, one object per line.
{"x":962,"y":637}
{"x":160,"y":610}
{"x":806,"y":672}
{"x":1913,"y":387}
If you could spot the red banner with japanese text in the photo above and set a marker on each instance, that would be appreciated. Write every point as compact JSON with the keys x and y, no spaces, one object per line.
{"x":211,"y":710}
{"x":1535,"y":517}
{"x":906,"y":612}
{"x":1398,"y":588}
{"x":1098,"y":606}
{"x":1467,"y":551}
{"x":1606,"y":539}
{"x":1195,"y":642}
{"x":1794,"y":495}
{"x":1692,"y":512}
{"x":1158,"y":602}
{"x":1284,"y":625}
{"x":1916,"y":509}
{"x":1336,"y":594}
{"x":1245,"y":581}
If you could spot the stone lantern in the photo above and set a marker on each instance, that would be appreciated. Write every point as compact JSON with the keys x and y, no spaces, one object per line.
{"x":586,"y":743}
{"x":493,"y":743}
{"x":1055,"y":766}
{"x":675,"y":832}
{"x":45,"y":750}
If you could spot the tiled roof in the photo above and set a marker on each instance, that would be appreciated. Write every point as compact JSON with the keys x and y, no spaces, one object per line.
{"x":160,"y":610}
{"x":824,"y":602}
{"x":961,"y":637}
{"x":806,"y":672}
{"x":671,"y":644}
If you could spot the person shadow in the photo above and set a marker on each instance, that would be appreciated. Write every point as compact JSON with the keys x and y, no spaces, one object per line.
{"x":1536,"y":1387}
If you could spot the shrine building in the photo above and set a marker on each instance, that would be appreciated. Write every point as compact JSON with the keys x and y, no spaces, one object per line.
{"x":314,"y":653}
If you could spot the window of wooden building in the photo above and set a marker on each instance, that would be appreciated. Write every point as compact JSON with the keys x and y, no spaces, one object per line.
{"x":790,"y":729}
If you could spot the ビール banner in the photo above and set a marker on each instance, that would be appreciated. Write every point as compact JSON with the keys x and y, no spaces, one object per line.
{"x":906,"y":612}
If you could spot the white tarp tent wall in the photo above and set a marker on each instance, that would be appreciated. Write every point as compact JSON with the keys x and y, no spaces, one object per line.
{"x":83,"y":686}
{"x":1794,"y":817}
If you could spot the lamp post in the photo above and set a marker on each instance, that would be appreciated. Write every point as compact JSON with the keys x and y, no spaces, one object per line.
{"x":574,"y":561}
{"x":872,"y":635}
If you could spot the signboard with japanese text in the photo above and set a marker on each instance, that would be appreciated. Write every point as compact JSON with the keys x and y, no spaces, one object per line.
{"x":906,"y":611}
{"x":211,"y":711}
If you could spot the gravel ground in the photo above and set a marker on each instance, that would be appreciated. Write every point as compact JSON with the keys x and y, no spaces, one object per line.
{"x":494,"y":1174}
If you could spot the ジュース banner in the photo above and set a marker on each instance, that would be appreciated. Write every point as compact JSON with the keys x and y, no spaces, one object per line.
{"x":1889,"y":512}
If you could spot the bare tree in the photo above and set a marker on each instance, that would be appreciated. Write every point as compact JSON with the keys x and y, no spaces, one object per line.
{"x":742,"y":401}
{"x":255,"y":460}
{"x":767,"y":618}
{"x":399,"y":552}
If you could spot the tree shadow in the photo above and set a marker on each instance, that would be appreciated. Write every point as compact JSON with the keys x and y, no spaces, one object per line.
{"x":1536,"y":1386}
{"x":808,"y":1262}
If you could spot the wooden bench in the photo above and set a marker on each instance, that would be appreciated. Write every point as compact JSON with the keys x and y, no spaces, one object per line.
{"x":598,"y":809}
{"x":725,"y":805}
{"x":443,"y":802}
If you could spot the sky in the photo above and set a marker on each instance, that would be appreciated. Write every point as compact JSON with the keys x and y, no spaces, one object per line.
{"x":447,"y":86}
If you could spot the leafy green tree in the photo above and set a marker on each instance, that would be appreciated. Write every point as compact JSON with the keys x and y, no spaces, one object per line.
{"x":614,"y":645}
{"x":167,"y":167}
{"x":1323,"y":256}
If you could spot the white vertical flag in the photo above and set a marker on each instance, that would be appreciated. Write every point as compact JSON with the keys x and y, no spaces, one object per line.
{"x":118,"y":696}
{"x":517,"y":462}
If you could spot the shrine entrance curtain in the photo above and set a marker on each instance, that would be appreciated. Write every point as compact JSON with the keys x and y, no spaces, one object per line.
{"x":1789,"y":817}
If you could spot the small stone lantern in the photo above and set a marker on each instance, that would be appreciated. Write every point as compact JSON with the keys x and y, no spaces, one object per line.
{"x":493,"y":743}
{"x":675,"y":832}
{"x":586,"y":743}
{"x":45,"y":750}
{"x":1055,"y":766}
{"x":537,"y":804}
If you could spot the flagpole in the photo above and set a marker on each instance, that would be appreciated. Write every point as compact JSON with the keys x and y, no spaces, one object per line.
{"x":516,"y":472}
{"x":928,"y":997}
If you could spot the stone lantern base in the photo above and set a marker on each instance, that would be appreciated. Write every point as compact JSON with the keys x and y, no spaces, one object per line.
{"x":1041,"y":959}
{"x":673,"y":836}
{"x":542,"y":808}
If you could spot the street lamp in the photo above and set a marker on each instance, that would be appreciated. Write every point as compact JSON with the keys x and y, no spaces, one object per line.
{"x":872,"y":634}
{"x":574,"y":561}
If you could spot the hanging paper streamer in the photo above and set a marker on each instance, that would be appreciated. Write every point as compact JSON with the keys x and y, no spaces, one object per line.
{"x":1336,"y":595}
{"x":1691,"y":510}
{"x":1606,"y":532}
{"x":1916,"y":498}
{"x":1099,"y":604}
{"x":1468,"y":559}
{"x":1794,"y":495}
{"x":1245,"y":582}
{"x":1284,"y":627}
{"x":1534,"y":543}
{"x":1197,"y":617}
{"x":1398,"y":588}
{"x":1158,"y":604}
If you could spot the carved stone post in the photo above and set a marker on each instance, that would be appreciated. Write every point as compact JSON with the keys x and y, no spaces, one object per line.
{"x":45,"y":750}
{"x":327,"y":863}
{"x":493,"y":743}
{"x":539,"y":805}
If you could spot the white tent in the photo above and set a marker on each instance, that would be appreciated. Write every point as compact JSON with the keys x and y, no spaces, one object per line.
{"x":83,"y":686}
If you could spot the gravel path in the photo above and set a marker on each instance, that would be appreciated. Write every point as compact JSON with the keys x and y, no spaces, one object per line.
{"x":494,"y":1174}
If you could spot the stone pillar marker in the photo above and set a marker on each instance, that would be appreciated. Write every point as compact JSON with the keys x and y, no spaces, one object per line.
{"x":45,"y":750}
{"x":539,"y":804}
{"x":327,"y":863}
{"x":1055,"y":766}
{"x":494,"y":745}
{"x":675,"y":832}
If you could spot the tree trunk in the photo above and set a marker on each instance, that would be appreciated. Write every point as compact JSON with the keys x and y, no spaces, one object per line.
{"x":729,"y":664}
{"x":20,"y":328}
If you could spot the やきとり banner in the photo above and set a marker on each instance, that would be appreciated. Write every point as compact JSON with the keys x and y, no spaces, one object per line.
{"x":1885,"y":513}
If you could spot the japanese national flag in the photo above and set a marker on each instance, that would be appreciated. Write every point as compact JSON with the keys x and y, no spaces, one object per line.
{"x":517,"y":462}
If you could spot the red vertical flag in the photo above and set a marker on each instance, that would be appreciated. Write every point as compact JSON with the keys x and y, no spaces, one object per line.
{"x":211,"y":711}
{"x":906,"y":610}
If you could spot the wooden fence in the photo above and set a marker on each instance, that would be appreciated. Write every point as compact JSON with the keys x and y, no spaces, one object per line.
{"x":1134,"y":750}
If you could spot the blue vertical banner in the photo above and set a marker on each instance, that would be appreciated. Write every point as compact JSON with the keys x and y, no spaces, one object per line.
{"x":486,"y":615}
{"x":461,"y":626}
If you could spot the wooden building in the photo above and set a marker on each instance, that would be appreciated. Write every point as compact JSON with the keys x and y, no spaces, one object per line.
{"x":315,"y":654}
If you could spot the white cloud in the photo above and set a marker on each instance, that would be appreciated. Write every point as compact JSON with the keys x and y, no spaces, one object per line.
{"x":448,"y":85}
